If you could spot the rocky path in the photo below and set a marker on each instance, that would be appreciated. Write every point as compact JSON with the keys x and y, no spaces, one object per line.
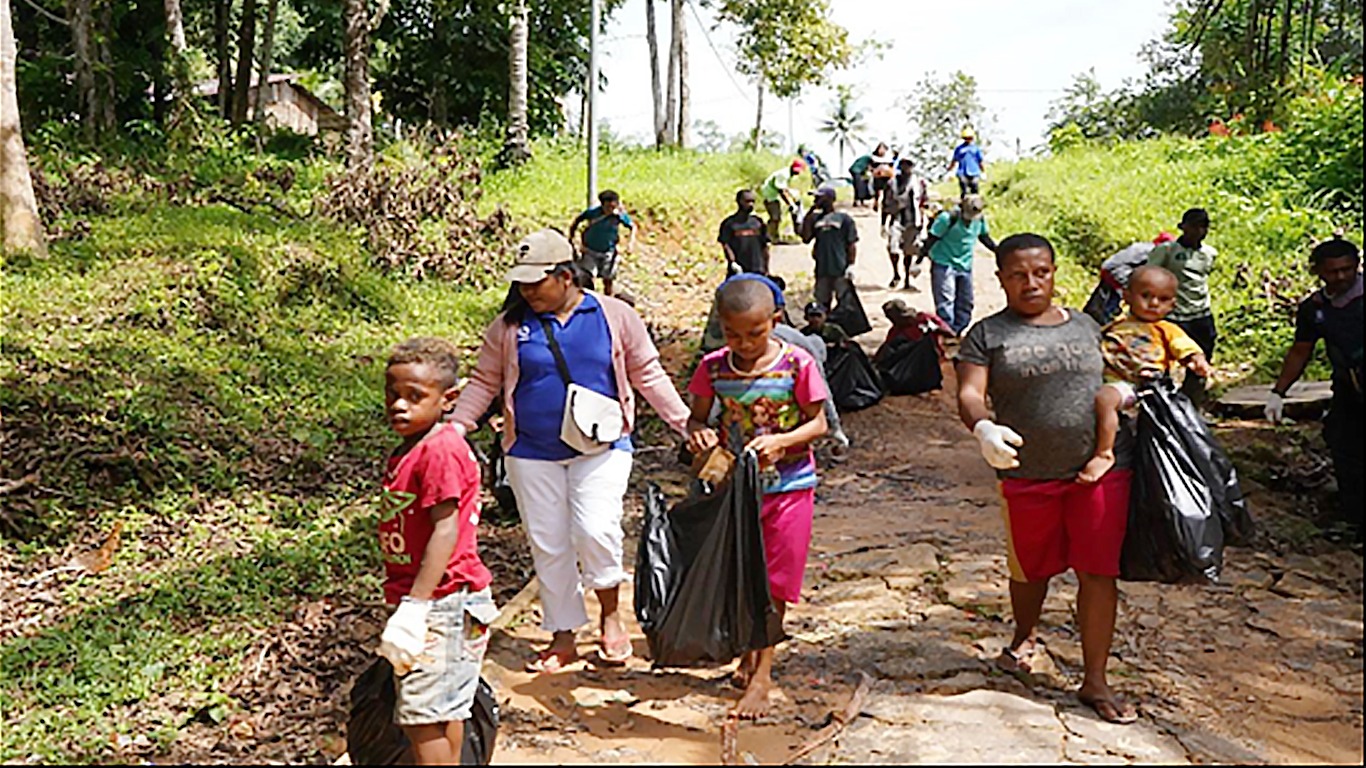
{"x":907,"y":584}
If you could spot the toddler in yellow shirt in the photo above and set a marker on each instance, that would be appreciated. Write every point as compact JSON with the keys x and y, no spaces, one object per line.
{"x":1139,"y":347}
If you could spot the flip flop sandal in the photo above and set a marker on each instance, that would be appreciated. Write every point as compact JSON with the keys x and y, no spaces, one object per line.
{"x":622,"y":654}
{"x":1015,"y":663}
{"x":1110,"y":710}
{"x":548,"y":662}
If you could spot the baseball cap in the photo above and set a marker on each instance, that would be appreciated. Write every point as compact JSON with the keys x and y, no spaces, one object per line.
{"x":815,"y":308}
{"x":972,"y":206}
{"x":797,"y":166}
{"x":968,"y":133}
{"x":538,"y":254}
{"x":825,"y":190}
{"x":896,"y":308}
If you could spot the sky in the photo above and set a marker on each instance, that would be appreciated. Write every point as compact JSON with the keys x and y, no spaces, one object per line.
{"x":1023,"y":53}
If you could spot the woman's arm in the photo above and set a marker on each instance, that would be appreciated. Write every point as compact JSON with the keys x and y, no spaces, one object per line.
{"x":485,"y":381}
{"x":972,"y":393}
{"x":648,"y":377}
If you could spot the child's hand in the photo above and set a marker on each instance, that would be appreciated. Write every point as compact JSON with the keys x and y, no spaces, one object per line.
{"x":769,"y":448}
{"x":1198,"y":365}
{"x":701,"y":439}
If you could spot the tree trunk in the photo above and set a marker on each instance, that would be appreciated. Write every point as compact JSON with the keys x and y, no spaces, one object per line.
{"x":1283,"y":57}
{"x":656,"y":90}
{"x":263,"y":74}
{"x":80,"y":15}
{"x":20,"y":226}
{"x":359,"y":138}
{"x":675,"y":47}
{"x":246,"y":49}
{"x":179,"y":63}
{"x":684,"y":108}
{"x":758,"y":118}
{"x":104,"y":72}
{"x":515,"y":145}
{"x":222,"y":13}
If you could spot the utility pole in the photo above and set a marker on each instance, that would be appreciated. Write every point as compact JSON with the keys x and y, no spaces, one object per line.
{"x":592,"y":98}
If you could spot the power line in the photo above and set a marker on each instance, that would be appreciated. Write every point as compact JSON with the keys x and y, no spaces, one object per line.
{"x":725,"y":67}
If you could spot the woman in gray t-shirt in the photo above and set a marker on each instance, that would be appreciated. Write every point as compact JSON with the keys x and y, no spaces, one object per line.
{"x":1041,"y":366}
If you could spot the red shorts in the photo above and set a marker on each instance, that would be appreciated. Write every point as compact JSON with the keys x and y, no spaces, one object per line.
{"x":1053,"y":525}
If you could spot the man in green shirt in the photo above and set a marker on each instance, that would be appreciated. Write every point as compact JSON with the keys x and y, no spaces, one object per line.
{"x":778,"y":196}
{"x":858,"y":174}
{"x":1191,"y":260}
{"x":949,"y":244}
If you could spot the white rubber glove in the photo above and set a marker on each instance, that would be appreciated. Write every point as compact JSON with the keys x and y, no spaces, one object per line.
{"x":1275,"y":408}
{"x":405,"y":635}
{"x":996,"y":441}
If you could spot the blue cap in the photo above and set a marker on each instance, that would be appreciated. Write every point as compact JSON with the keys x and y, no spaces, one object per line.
{"x":778,"y":301}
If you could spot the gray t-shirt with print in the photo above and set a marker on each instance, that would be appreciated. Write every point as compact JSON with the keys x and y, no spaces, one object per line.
{"x":1042,"y":383}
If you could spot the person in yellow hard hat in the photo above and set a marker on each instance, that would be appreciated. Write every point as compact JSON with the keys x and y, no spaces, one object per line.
{"x":967,"y":158}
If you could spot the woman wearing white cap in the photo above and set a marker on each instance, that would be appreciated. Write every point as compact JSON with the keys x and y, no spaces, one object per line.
{"x":567,"y":362}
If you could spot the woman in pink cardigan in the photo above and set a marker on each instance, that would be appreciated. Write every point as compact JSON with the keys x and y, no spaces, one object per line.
{"x":552,"y":333}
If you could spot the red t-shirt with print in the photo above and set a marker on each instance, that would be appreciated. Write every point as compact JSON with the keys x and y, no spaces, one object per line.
{"x":440,"y":468}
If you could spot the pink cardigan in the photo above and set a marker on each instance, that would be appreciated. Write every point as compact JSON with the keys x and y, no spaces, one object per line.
{"x":634,"y":360}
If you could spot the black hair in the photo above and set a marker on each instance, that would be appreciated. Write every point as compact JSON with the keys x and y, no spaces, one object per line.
{"x":429,"y":350}
{"x":739,"y":193}
{"x":1335,"y":248}
{"x":778,"y":281}
{"x":740,"y":296}
{"x":1023,"y":241}
{"x":1195,"y":216}
{"x":514,"y":307}
{"x":608,"y":196}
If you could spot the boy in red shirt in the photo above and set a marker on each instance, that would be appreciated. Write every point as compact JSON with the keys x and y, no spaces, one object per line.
{"x":429,"y":515}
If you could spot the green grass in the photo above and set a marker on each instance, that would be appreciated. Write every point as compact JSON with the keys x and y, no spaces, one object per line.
{"x":1091,"y":201}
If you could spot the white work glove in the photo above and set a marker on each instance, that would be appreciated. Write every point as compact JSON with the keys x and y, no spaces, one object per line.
{"x":996,"y":441}
{"x":405,"y":635}
{"x":733,"y":269}
{"x":1275,"y":408}
{"x":849,"y":273}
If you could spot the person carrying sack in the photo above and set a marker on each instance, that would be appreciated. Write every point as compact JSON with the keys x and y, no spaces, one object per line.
{"x":567,"y":362}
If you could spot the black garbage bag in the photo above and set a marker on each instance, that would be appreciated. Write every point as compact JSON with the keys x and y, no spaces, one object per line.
{"x":498,"y":480}
{"x":848,"y":311}
{"x":701,"y":581}
{"x":854,"y":382}
{"x":372,"y":738}
{"x":1186,"y":503}
{"x":911,"y":367}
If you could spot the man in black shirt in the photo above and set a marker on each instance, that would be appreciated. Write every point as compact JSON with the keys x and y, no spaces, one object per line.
{"x":1333,"y":314}
{"x":835,"y":247}
{"x":744,"y":238}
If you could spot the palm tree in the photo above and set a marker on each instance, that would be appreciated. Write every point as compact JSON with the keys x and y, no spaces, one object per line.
{"x":845,"y":123}
{"x":516,"y":146}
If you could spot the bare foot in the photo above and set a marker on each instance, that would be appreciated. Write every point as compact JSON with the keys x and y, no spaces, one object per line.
{"x":1096,"y":468}
{"x":1108,"y":705}
{"x":754,"y":703}
{"x":743,"y":672}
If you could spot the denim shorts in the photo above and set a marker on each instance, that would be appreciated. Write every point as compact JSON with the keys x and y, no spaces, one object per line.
{"x":440,"y":688}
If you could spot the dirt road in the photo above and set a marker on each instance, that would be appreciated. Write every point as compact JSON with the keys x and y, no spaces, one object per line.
{"x":907,"y":583}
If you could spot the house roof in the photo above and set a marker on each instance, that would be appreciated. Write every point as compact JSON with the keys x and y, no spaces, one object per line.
{"x":328,"y":118}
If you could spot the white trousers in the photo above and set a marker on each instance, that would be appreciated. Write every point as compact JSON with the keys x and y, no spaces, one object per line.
{"x":571,"y":511}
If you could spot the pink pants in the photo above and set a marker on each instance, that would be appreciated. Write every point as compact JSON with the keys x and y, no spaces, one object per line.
{"x":786,"y":522}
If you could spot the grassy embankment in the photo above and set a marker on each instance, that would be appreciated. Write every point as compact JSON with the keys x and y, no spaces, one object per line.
{"x":1094,"y":200}
{"x":210,"y":381}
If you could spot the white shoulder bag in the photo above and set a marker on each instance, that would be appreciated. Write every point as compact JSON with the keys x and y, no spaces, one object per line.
{"x":592,"y":422}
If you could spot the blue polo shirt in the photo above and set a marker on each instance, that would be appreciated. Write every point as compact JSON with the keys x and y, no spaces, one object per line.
{"x":586,"y":342}
{"x":969,"y":159}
